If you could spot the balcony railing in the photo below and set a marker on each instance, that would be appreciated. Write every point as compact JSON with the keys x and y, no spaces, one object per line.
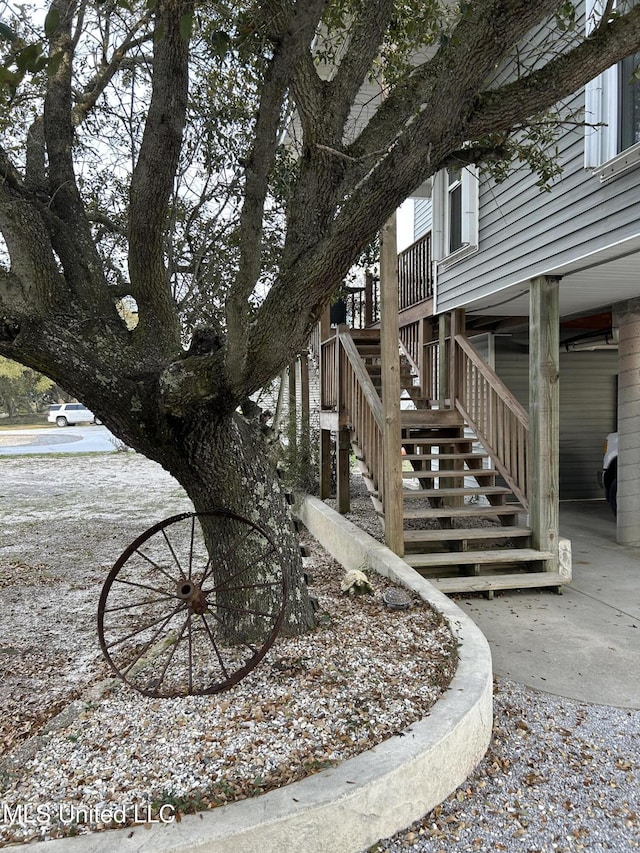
{"x":415,"y":280}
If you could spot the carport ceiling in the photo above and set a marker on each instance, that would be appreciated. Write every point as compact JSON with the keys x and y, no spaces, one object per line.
{"x":587,"y":285}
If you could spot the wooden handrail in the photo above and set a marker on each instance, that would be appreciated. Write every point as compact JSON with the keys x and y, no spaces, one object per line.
{"x":492,"y":377}
{"x":498,"y":419}
{"x":347,"y":388}
{"x":362,"y":377}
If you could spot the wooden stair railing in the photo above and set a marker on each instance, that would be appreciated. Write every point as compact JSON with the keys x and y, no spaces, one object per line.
{"x":361,"y":402}
{"x":497,"y":418}
{"x":439,"y":532}
{"x":328,"y":387}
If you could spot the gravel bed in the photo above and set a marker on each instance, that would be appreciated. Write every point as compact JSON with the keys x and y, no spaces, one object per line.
{"x":366,"y":673}
{"x":559,"y":777}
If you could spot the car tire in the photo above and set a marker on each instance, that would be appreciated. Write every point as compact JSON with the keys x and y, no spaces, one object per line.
{"x":612,"y":496}
{"x":62,"y":422}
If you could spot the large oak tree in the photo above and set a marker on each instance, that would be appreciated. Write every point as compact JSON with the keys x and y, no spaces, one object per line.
{"x":146,"y":162}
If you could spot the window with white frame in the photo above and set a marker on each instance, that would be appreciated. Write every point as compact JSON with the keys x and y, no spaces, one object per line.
{"x":455,"y":214}
{"x":612,"y":109}
{"x":629,"y":101}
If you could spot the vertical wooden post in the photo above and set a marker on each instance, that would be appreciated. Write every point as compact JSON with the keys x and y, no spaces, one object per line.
{"x":627,"y":319}
{"x":444,"y":326}
{"x":343,"y":452}
{"x":368,"y":300}
{"x":544,"y":415}
{"x":457,"y":328}
{"x":325,"y":464}
{"x":325,"y":324}
{"x":292,"y":431}
{"x":343,"y":444}
{"x":390,"y":358}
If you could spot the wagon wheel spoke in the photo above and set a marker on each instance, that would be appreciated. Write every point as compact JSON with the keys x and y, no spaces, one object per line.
{"x":163,"y":619}
{"x":156,"y":566}
{"x":154,"y":589}
{"x":215,"y":646}
{"x":173,"y":553}
{"x":159,"y":681}
{"x":135,"y":604}
{"x":237,"y":638}
{"x":192,"y":605}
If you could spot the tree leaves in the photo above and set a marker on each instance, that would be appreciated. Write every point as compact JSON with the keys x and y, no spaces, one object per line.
{"x":51,"y":22}
{"x":27,"y":58}
{"x":7,"y":33}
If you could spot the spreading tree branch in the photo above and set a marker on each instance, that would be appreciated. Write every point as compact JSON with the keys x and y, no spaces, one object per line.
{"x":292,"y":26}
{"x":94,"y":89}
{"x":153,"y":176}
{"x":610,"y":42}
{"x":455,"y":108}
{"x":482,"y":38}
{"x":69,"y":226}
{"x":365,"y":36}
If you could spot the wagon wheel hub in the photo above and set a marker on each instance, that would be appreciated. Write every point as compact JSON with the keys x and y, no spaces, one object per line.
{"x":194,"y":596}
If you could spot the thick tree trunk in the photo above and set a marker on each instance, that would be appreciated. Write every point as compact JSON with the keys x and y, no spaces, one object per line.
{"x":224,"y":464}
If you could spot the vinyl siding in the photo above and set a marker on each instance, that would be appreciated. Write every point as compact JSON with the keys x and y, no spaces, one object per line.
{"x":422,"y":217}
{"x":525,"y":232}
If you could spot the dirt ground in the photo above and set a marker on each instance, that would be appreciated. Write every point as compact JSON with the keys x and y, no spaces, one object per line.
{"x":65,"y":521}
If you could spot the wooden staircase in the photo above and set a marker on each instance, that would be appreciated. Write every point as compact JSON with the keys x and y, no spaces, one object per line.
{"x":463,"y":526}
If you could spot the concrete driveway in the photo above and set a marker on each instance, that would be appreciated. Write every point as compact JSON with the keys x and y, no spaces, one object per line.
{"x":585,"y":643}
{"x":85,"y":438}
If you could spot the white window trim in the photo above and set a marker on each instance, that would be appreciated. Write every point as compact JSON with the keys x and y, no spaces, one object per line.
{"x":470,"y":210}
{"x":601,"y":154}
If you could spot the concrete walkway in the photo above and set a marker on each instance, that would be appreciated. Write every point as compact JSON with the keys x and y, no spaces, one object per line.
{"x":585,"y":643}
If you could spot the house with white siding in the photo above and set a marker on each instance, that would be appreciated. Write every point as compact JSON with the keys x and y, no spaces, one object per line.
{"x":519,"y":315}
{"x":489,"y":241}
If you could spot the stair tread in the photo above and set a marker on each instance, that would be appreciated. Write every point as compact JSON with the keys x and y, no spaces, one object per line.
{"x":448,"y":474}
{"x":412,"y":494}
{"x":460,"y":533}
{"x":362,"y":334}
{"x":505,"y":555}
{"x":529,"y":580}
{"x":428,"y":457}
{"x":436,"y":440}
{"x":463,"y":512}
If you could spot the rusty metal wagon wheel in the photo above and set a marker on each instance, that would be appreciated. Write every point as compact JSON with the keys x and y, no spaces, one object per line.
{"x":176,"y":618}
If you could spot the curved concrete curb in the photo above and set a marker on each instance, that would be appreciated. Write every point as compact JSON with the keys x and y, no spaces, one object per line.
{"x":368,"y":797}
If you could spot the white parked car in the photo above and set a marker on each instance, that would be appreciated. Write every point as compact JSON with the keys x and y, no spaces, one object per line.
{"x":66,"y":414}
{"x":608,"y":477}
